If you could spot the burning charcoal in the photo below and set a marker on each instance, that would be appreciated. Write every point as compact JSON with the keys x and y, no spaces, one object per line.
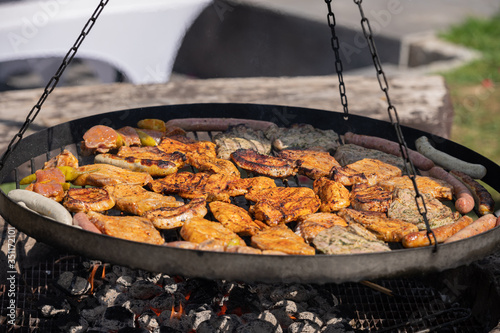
{"x":169,"y":285}
{"x":334,"y":324}
{"x":162,"y":302}
{"x":125,"y":280}
{"x":92,"y":315}
{"x":288,"y":306}
{"x":50,"y":310}
{"x":175,"y":322}
{"x":81,"y":327}
{"x":117,"y":317}
{"x":142,"y":289}
{"x":311,"y":317}
{"x":225,"y":323}
{"x":258,"y":326}
{"x":154,"y":278}
{"x":133,"y":330}
{"x":283,"y":318}
{"x":137,"y":306}
{"x":303,"y":327}
{"x":73,"y":284}
{"x":294,"y":292}
{"x":121,"y":271}
{"x":108,"y":295}
{"x":149,"y":321}
{"x":200,"y":317}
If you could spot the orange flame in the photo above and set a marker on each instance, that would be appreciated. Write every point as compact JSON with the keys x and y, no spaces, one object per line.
{"x":156,"y":311}
{"x":292,"y":317}
{"x":188,"y":296}
{"x":223,"y":310}
{"x":176,"y":314}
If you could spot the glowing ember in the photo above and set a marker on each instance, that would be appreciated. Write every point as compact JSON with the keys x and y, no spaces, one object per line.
{"x":176,"y":314}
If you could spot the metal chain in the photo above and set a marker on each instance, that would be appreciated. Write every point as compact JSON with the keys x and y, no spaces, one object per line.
{"x":338,"y":63}
{"x":393,"y":116}
{"x":53,"y":82}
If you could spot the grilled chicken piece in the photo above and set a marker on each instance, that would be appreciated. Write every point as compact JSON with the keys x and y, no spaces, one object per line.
{"x":235,"y":218}
{"x":302,"y":136}
{"x":134,"y":199}
{"x":106,"y":174}
{"x":385,"y":228}
{"x":198,"y":230}
{"x":350,"y":153}
{"x":210,"y":187}
{"x":144,"y":159}
{"x":88,"y":199}
{"x":405,"y":208}
{"x":241,"y":137}
{"x":311,"y":163}
{"x":338,"y":240}
{"x":49,"y":183}
{"x":221,"y":166}
{"x":374,"y":198}
{"x":367,"y":171}
{"x":132,"y":228}
{"x":250,"y":160}
{"x":242,"y":186}
{"x":310,"y":225}
{"x":174,"y":217}
{"x":283,"y":239}
{"x":334,"y":196}
{"x":437,"y":188}
{"x":130,"y":136}
{"x":66,"y":158}
{"x":284,"y":204}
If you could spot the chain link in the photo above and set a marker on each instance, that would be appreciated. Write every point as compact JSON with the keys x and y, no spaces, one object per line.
{"x":394,"y":118}
{"x":338,"y":63}
{"x":52,"y":82}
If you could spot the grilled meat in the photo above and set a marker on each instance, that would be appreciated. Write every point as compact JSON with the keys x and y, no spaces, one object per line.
{"x":367,"y":171}
{"x":310,"y":225}
{"x":250,"y":160}
{"x":436,"y":188}
{"x":198,"y":230}
{"x":242,"y":186}
{"x":405,"y":208}
{"x":241,"y":137}
{"x":66,"y":158}
{"x":100,"y":139}
{"x":197,"y":153}
{"x":144,"y":159}
{"x":88,"y":199}
{"x":338,"y":240}
{"x":130,"y":136}
{"x":100,"y":174}
{"x":284,"y":204}
{"x":132,"y":228}
{"x":334,"y":196}
{"x":374,"y":198}
{"x":311,"y":163}
{"x":174,"y":217}
{"x":134,"y":199}
{"x":385,"y":228}
{"x":283,"y":239}
{"x":302,"y":136}
{"x":235,"y":218}
{"x":221,"y":166}
{"x":49,"y":183}
{"x":350,"y":153}
{"x":210,"y":187}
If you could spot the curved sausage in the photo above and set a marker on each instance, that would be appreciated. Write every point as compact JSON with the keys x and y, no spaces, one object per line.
{"x":81,"y":219}
{"x":464,"y":201}
{"x":216,"y":124}
{"x":387,"y":146}
{"x":484,"y":202}
{"x":482,"y":224}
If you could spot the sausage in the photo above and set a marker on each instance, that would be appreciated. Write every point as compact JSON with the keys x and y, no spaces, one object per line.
{"x":464,"y":202}
{"x":81,"y":219}
{"x":448,"y":162}
{"x":483,"y":200}
{"x":372,"y":142}
{"x":216,"y":124}
{"x":482,"y":224}
{"x":42,"y":205}
{"x":419,"y":238}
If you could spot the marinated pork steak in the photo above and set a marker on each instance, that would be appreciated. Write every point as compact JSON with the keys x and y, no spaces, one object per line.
{"x":106,"y":174}
{"x":235,"y":218}
{"x":434,"y":187}
{"x":385,"y":228}
{"x":252,"y":161}
{"x":308,"y":226}
{"x":367,"y":171}
{"x":243,"y":186}
{"x":198,"y":230}
{"x":311,"y":163}
{"x":283,"y":239}
{"x":88,"y":199}
{"x":338,"y":240}
{"x":302,"y":136}
{"x":174,"y":217}
{"x":333,"y":195}
{"x":241,"y":137}
{"x":405,"y":208}
{"x":374,"y":198}
{"x":350,"y":153}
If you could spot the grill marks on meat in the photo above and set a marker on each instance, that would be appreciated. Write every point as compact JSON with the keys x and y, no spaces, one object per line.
{"x":386,"y":229}
{"x":145,"y":159}
{"x":106,"y":174}
{"x":366,"y":171}
{"x":198,"y":230}
{"x":434,"y":187}
{"x":338,"y":240}
{"x":283,"y":204}
{"x":283,"y":239}
{"x":405,"y":208}
{"x":334,"y":196}
{"x":174,"y":217}
{"x":374,"y":198}
{"x":88,"y":199}
{"x":310,"y":225}
{"x":235,"y":218}
{"x":244,"y":186}
{"x":132,"y":228}
{"x":311,"y":163}
{"x":197,"y":153}
{"x":134,"y":199}
{"x":241,"y":137}
{"x":250,"y":160}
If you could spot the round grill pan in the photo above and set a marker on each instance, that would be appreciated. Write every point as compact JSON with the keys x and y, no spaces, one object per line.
{"x":233,"y":266}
